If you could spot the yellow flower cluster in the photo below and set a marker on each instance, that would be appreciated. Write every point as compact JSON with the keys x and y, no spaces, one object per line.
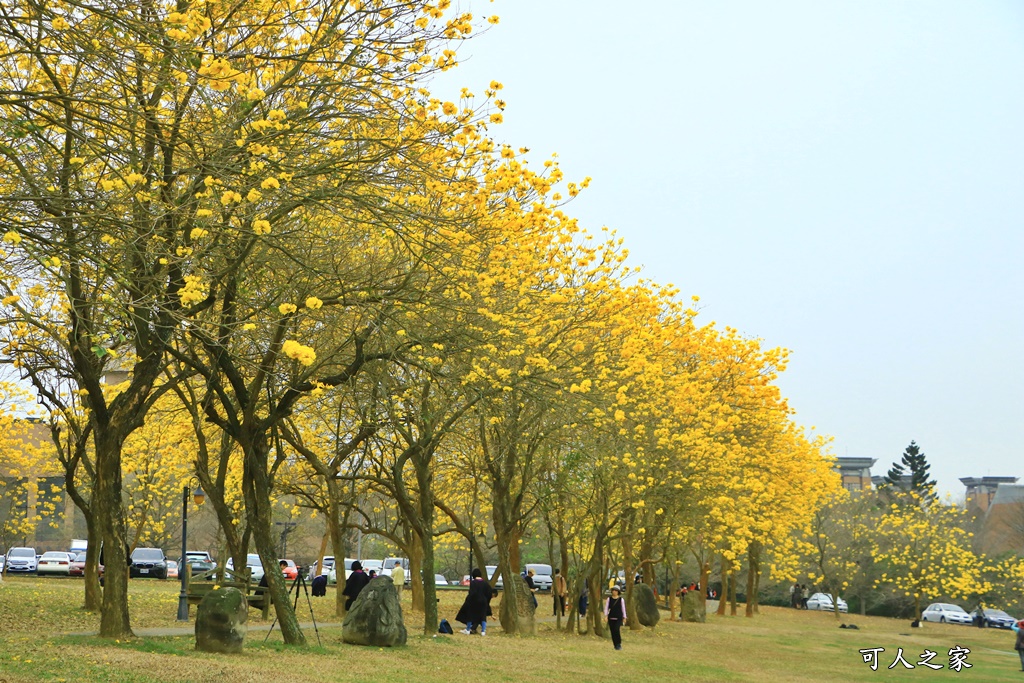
{"x":296,"y":351}
{"x":193,"y":292}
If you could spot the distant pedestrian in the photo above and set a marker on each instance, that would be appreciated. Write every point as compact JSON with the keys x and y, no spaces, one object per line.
{"x":355,"y":583}
{"x":793,"y":595}
{"x":1018,"y":628}
{"x":559,"y":590}
{"x":373,"y":574}
{"x":532,"y":586}
{"x":804,"y":594}
{"x":477,"y":605}
{"x":615,"y":613}
{"x":398,"y":577}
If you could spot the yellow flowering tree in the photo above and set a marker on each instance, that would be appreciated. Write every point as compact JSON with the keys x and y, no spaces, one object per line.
{"x":926,"y":553}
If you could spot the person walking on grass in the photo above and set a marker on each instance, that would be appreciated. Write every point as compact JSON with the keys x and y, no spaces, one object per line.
{"x":398,"y":577}
{"x":477,"y":604}
{"x":559,"y":590}
{"x":615,"y":613}
{"x":1018,"y":628}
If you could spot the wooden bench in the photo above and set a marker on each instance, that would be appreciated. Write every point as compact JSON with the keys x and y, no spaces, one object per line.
{"x":199,"y":585}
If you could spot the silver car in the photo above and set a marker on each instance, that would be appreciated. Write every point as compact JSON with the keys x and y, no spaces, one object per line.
{"x":252,"y":561}
{"x":21,"y":560}
{"x":823,"y":602}
{"x":943,"y":612}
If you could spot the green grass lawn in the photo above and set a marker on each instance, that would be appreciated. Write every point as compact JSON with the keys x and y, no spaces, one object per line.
{"x":778,"y":645}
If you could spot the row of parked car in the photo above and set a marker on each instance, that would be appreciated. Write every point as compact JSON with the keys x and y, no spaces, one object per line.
{"x":152,"y":562}
{"x":939,"y":612}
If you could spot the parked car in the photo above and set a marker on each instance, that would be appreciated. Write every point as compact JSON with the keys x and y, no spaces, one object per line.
{"x":823,"y":602}
{"x":78,"y":545}
{"x":252,"y":561}
{"x":541,"y":576}
{"x":944,"y":612}
{"x":21,"y":560}
{"x":291,"y":571}
{"x":439,"y":580}
{"x":148,"y":562}
{"x":373,"y":565}
{"x":1,"y":564}
{"x":491,"y":570}
{"x":54,"y":563}
{"x":996,"y":618}
{"x":198,"y":560}
{"x":332,"y":575}
{"x":77,"y":567}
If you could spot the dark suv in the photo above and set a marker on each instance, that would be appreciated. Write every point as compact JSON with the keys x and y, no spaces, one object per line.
{"x":148,"y":562}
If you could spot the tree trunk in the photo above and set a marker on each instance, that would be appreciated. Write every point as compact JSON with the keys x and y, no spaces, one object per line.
{"x":627,"y":566}
{"x":722,"y":598}
{"x":705,"y":576}
{"x":753,"y":577}
{"x":508,"y":546}
{"x":256,"y":486}
{"x":109,"y":510}
{"x":507,"y":540}
{"x":93,"y":591}
{"x":757,"y":587}
{"x":424,"y":481}
{"x":416,"y":572}
{"x":733,"y":579}
{"x":336,"y":531}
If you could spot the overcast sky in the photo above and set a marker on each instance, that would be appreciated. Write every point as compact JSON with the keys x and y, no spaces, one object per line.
{"x":843,"y":179}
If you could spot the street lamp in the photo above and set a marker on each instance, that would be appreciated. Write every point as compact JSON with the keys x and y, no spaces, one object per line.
{"x":198,"y":497}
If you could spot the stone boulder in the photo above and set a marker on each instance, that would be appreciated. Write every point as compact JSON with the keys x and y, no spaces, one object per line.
{"x":525,"y":608}
{"x":221,"y":621}
{"x":646,"y":605}
{"x":693,"y":608}
{"x":375,"y":618}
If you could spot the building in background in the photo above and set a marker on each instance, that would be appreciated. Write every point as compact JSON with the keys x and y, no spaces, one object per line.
{"x":981,"y":491}
{"x":855,"y":472}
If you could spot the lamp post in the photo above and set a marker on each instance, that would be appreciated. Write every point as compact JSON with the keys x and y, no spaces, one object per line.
{"x":199,"y":497}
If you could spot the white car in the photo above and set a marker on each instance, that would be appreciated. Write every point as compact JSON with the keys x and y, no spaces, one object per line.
{"x":823,"y":602}
{"x":54,"y":563}
{"x":373,"y":565}
{"x":252,"y":561}
{"x":21,"y":560}
{"x":944,"y":612}
{"x":332,"y":575}
{"x":439,"y":580}
{"x":491,"y":569}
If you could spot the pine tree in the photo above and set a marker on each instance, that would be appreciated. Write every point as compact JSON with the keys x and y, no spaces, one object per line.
{"x":914,"y":462}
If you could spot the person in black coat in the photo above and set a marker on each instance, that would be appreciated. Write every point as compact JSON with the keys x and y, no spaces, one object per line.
{"x":354,"y":584}
{"x":477,"y":606}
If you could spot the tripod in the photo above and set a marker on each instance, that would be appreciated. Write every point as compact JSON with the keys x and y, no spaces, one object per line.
{"x":298,"y":581}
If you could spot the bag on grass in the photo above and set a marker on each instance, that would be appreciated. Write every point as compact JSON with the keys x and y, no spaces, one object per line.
{"x":445,"y":627}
